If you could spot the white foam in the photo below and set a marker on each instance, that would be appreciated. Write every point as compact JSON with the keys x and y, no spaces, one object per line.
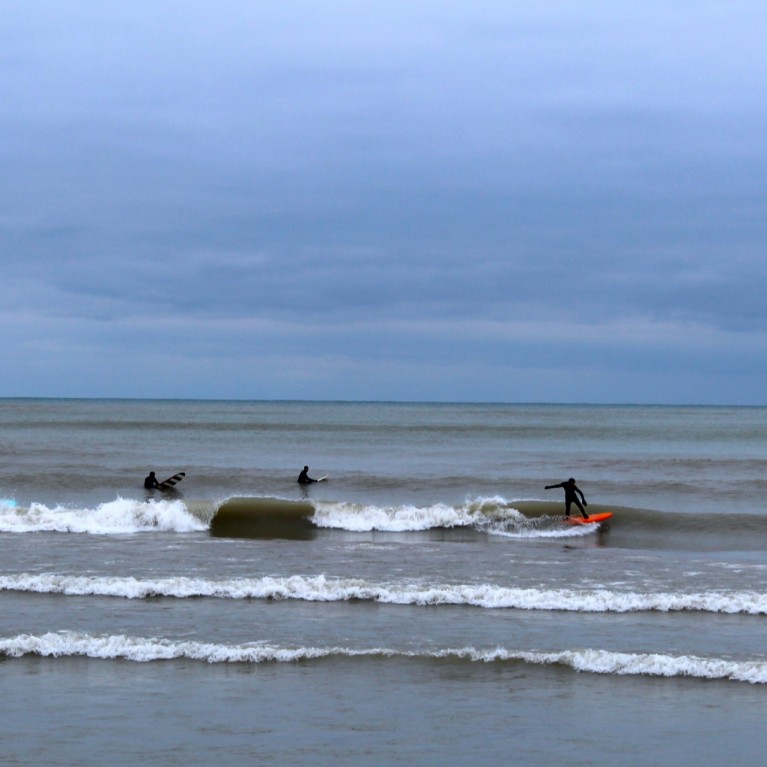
{"x":120,"y":516}
{"x":491,"y":515}
{"x":142,"y":649}
{"x":544,"y":527}
{"x":494,"y":516}
{"x":480,"y":513}
{"x":642,"y":664}
{"x":321,"y":588}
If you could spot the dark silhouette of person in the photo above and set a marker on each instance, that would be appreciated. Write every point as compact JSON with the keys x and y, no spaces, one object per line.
{"x":304,"y":478}
{"x":571,"y":489}
{"x":150,"y":482}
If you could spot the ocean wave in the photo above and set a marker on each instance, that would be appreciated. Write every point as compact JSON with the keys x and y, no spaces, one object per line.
{"x":118,"y":517}
{"x":284,"y":518}
{"x":323,"y":589}
{"x":256,"y":517}
{"x":144,"y":650}
{"x":365,"y":518}
{"x":494,"y":515}
{"x":125,"y":515}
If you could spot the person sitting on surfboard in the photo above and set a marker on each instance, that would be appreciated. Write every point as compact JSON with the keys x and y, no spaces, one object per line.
{"x":150,"y":482}
{"x":304,"y":478}
{"x":570,"y":496}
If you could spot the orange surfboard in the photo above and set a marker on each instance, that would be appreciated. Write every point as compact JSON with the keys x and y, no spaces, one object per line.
{"x":593,"y":519}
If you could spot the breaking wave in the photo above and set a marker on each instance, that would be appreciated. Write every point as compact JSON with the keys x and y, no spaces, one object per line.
{"x":144,"y":650}
{"x":324,"y":589}
{"x":118,"y":517}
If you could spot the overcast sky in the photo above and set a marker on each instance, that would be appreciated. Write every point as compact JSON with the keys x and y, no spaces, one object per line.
{"x":400,"y":200}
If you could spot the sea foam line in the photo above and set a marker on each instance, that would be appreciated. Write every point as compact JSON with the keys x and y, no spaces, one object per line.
{"x":320,"y":588}
{"x":493,"y":516}
{"x":119,"y":517}
{"x":480,"y":513}
{"x":144,"y":650}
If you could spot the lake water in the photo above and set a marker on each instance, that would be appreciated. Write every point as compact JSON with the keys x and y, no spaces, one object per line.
{"x":427,"y":604}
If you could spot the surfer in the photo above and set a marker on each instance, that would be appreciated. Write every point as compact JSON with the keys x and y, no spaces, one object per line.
{"x":304,"y":478}
{"x":150,"y":482}
{"x":571,"y":489}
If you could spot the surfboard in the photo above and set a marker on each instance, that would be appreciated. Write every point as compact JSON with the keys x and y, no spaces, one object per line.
{"x":322,"y":479}
{"x":593,"y":519}
{"x":167,"y":484}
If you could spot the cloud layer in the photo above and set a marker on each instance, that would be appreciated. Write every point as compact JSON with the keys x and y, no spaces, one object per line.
{"x":377,"y":200}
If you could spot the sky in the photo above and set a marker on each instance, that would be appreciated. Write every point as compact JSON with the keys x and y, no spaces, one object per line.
{"x":397,"y":200}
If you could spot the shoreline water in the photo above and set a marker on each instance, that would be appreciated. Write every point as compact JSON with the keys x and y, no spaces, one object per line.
{"x":438,"y":610}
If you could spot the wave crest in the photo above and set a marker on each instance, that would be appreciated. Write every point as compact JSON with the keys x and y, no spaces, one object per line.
{"x":118,"y":517}
{"x":486,"y":514}
{"x":144,"y":650}
{"x":321,"y":588}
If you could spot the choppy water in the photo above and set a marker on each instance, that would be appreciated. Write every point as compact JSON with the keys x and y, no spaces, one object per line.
{"x":427,"y":604}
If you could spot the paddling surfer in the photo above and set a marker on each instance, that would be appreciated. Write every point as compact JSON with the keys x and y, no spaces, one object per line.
{"x":571,"y":489}
{"x":304,"y":478}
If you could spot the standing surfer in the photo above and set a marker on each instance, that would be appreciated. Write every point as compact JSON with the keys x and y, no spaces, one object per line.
{"x":150,"y":482}
{"x":571,"y":489}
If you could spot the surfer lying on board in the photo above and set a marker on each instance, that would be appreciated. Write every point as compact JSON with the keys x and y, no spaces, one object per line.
{"x":150,"y":482}
{"x":304,"y":478}
{"x":570,"y":496}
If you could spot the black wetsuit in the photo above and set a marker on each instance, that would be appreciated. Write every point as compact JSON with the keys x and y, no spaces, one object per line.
{"x":150,"y":483}
{"x":571,"y":489}
{"x":304,"y":478}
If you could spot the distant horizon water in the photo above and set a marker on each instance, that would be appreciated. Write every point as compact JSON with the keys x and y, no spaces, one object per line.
{"x":531,"y":403}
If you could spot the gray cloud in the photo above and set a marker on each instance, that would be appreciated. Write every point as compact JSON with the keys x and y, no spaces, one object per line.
{"x":367,"y":178}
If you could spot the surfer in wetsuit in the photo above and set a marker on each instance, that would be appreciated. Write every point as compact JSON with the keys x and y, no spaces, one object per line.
{"x":150,"y":482}
{"x":571,"y":489}
{"x":304,"y":478}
